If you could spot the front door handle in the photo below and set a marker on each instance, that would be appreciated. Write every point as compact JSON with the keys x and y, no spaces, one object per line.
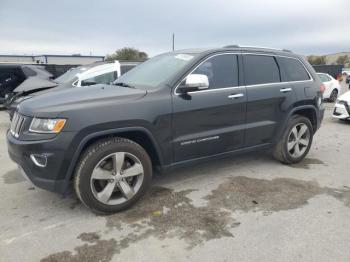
{"x":234,"y":96}
{"x":285,"y":90}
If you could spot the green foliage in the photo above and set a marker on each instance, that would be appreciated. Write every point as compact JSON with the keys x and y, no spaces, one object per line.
{"x":127,"y":53}
{"x":317,"y":60}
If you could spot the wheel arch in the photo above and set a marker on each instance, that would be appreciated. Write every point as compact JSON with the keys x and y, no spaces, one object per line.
{"x":139,"y":135}
{"x":308,"y":112}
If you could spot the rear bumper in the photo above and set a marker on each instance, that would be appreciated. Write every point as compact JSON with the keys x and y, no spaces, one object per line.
{"x":52,"y":177}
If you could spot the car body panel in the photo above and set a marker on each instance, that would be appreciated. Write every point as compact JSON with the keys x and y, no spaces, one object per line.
{"x":183,"y":128}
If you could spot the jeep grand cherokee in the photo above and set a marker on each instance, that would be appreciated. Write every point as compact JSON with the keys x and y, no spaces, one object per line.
{"x":176,"y":108}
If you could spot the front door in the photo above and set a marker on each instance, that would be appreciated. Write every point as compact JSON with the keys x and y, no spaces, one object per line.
{"x":210,"y":121}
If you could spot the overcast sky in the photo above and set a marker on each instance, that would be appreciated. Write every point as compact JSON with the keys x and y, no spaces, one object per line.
{"x":101,"y":27}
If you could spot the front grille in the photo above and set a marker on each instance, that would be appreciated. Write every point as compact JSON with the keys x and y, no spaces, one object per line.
{"x":17,"y":124}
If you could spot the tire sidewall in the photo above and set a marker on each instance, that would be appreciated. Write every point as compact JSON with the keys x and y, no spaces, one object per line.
{"x":93,"y":157}
{"x":331,"y":95}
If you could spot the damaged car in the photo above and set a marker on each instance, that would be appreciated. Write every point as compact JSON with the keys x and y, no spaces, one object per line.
{"x":16,"y":77}
{"x":86,"y":75}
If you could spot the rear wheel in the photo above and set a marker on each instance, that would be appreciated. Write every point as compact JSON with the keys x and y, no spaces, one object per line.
{"x":295,"y":142}
{"x":334,"y":95}
{"x":112,"y":175}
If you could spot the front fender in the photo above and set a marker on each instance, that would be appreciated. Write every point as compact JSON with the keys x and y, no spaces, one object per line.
{"x":92,"y":136}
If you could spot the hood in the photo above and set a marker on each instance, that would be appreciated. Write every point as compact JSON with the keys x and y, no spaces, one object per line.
{"x":42,"y":91}
{"x":34,"y":83}
{"x":345,"y":97}
{"x":53,"y":103}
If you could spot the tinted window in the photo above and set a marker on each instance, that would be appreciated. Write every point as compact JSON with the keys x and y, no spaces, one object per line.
{"x":106,"y":78}
{"x":260,"y":69}
{"x":221,"y":70}
{"x":324,"y":78}
{"x":293,"y":70}
{"x":125,"y":68}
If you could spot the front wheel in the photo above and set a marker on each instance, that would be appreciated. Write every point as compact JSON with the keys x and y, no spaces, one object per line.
{"x":112,"y":175}
{"x":295,"y":142}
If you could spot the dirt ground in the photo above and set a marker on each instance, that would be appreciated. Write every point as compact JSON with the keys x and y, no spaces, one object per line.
{"x":243,"y":208}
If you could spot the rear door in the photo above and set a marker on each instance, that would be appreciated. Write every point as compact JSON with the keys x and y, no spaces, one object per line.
{"x":269,"y":98}
{"x":210,"y":121}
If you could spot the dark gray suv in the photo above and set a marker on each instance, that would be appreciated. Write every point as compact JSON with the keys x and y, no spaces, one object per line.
{"x":176,"y":108}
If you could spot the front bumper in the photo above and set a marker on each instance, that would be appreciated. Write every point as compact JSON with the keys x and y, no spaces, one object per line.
{"x":341,"y":111}
{"x":52,"y":177}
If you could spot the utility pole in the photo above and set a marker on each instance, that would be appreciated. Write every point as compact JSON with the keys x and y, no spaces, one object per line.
{"x":173,"y":41}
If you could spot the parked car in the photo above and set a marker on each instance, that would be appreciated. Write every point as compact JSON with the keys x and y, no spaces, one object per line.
{"x":96,"y":73}
{"x":13,"y":76}
{"x":347,"y":80}
{"x":342,"y":107}
{"x":175,"y":109}
{"x":333,"y":88}
{"x":346,"y":71}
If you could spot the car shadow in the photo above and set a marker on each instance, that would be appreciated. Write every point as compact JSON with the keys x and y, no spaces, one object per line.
{"x":220,"y":167}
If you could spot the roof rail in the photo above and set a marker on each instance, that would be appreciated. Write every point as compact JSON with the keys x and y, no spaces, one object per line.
{"x":260,"y":47}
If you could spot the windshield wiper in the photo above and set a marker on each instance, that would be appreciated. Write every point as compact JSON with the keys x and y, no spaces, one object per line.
{"x":123,"y":85}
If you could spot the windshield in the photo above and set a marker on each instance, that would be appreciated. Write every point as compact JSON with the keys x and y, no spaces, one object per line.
{"x":69,"y":75}
{"x":156,"y":70}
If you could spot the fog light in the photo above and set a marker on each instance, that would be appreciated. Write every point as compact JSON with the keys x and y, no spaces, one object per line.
{"x":39,"y":160}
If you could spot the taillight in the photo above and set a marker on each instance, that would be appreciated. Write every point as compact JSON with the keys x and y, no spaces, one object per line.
{"x":322,"y":88}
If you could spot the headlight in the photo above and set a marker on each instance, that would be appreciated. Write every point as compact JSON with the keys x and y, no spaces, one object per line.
{"x":52,"y":126}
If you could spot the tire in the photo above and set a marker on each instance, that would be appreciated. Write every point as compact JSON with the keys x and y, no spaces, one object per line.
{"x":97,"y":173}
{"x":281,"y":151}
{"x":334,"y":95}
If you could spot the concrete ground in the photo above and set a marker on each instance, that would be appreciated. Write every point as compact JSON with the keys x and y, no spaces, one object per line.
{"x":245,"y":208}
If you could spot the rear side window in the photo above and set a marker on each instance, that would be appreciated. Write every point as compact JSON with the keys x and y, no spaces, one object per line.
{"x":106,"y":78}
{"x":260,"y":69}
{"x":292,"y":70}
{"x":221,"y":70}
{"x":324,"y":78}
{"x":125,"y":68}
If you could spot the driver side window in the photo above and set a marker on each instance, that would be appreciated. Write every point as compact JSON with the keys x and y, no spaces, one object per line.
{"x":221,"y":70}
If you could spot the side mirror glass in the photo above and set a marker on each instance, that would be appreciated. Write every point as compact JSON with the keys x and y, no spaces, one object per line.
{"x":194,"y":82}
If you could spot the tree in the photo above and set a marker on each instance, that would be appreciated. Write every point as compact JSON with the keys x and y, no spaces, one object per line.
{"x":343,"y":60}
{"x":127,"y":53}
{"x":317,"y":60}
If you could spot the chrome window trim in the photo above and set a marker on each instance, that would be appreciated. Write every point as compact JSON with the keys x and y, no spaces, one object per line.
{"x":242,"y":86}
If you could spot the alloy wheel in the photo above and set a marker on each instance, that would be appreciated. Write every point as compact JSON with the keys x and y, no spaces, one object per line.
{"x":298,"y":140}
{"x":117,"y":178}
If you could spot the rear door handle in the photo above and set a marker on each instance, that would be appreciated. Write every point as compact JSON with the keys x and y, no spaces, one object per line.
{"x":285,"y":90}
{"x":234,"y":96}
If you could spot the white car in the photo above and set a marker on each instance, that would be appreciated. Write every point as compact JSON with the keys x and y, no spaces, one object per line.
{"x":346,"y":71}
{"x":332,"y":87}
{"x":342,"y":107}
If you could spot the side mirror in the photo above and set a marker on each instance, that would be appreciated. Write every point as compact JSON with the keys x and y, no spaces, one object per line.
{"x":193,"y":82}
{"x":88,"y":83}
